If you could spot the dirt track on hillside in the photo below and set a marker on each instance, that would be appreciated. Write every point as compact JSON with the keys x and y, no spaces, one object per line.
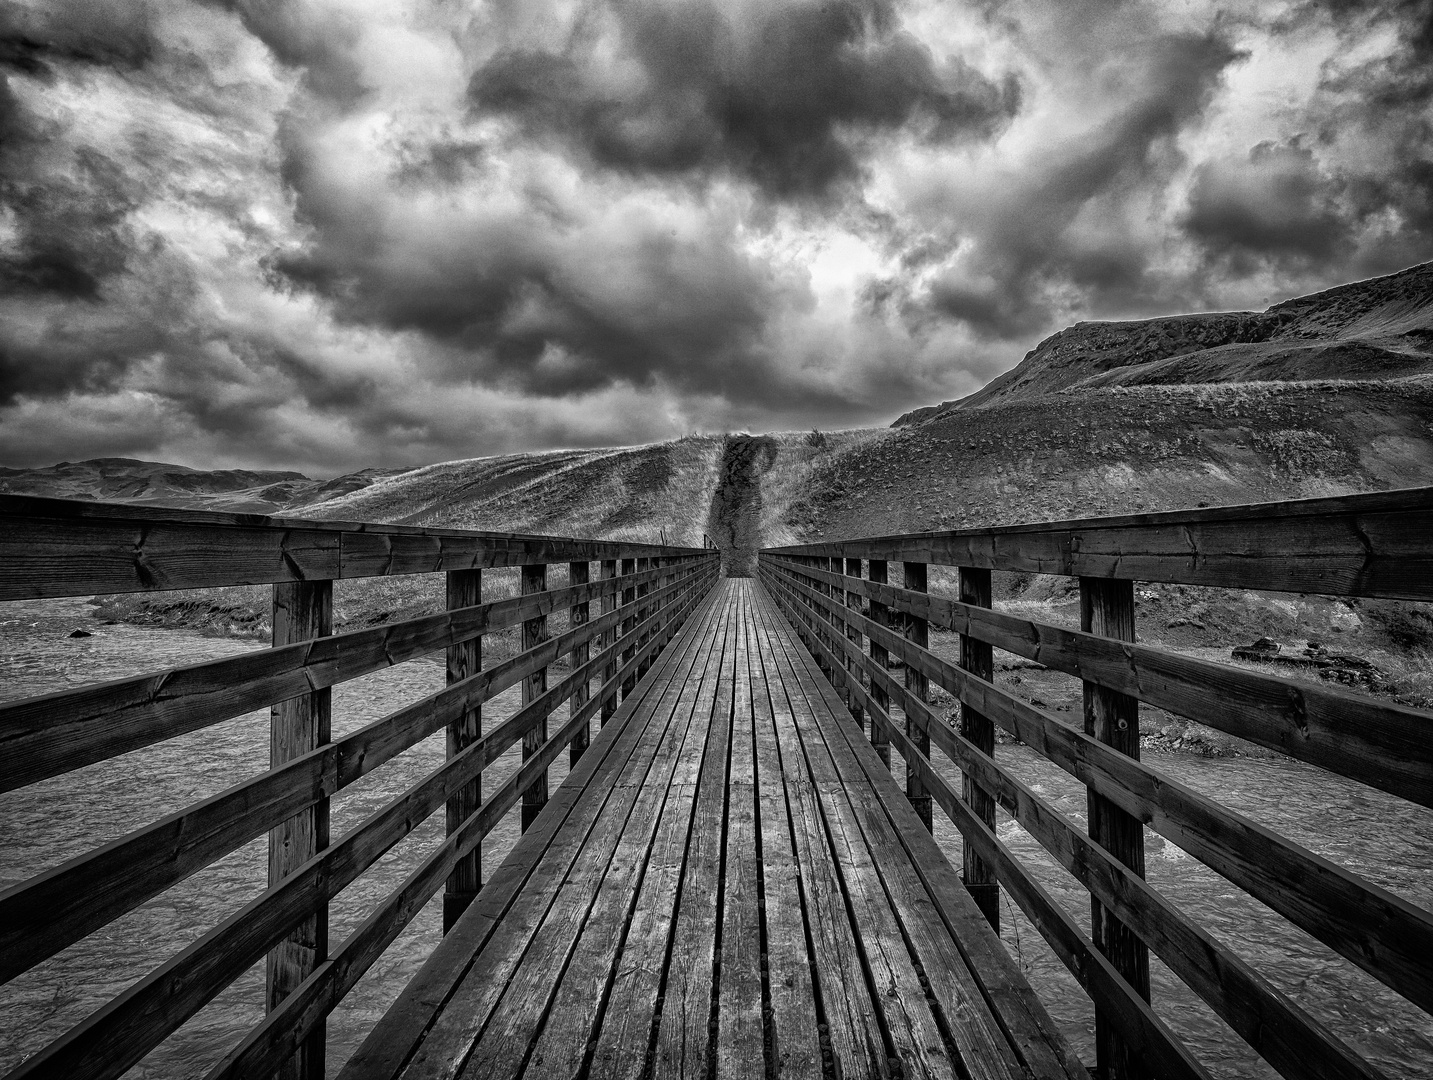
{"x":734,"y":521}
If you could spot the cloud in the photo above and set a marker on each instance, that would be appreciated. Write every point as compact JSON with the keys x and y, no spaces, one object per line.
{"x":1273,"y":203}
{"x":326,"y":234}
{"x":786,"y":96}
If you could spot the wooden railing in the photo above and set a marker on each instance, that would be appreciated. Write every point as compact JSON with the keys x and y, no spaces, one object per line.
{"x":53,"y":548}
{"x":1377,"y":545}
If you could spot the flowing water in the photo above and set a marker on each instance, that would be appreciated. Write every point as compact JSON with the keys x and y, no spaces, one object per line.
{"x":1386,"y":840}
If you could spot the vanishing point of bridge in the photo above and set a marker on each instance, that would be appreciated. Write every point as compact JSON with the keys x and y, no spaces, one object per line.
{"x":731,"y":881}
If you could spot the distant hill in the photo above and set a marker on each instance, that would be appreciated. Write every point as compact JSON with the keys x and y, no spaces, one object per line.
{"x":131,"y":480}
{"x":1381,"y":328}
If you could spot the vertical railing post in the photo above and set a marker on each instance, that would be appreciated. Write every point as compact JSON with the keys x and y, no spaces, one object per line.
{"x":853,"y":635}
{"x":978,"y":658}
{"x":302,"y":610}
{"x":464,"y":589}
{"x":880,"y":615}
{"x":578,"y":573}
{"x":1107,"y":609}
{"x":610,"y":602}
{"x":643,"y":610}
{"x":534,"y":633}
{"x":838,"y":626}
{"x":918,"y":634}
{"x":629,"y":597}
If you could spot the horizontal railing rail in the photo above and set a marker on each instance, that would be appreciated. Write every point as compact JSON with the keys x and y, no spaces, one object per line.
{"x":1353,"y":545}
{"x":646,"y":593}
{"x":857,"y":624}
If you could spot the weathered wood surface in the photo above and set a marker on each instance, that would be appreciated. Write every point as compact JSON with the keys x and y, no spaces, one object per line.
{"x":1374,"y":544}
{"x":1142,"y":1029}
{"x":1385,"y":746}
{"x":42,"y":915}
{"x":717,"y":841}
{"x":55,"y":733}
{"x":69,"y":547}
{"x":302,"y":611}
{"x":1384,"y":934}
{"x":1292,"y":1040}
{"x":120,"y":1033}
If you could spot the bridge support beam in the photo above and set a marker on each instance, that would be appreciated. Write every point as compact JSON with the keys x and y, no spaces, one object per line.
{"x":978,"y":658}
{"x":1107,"y":609}
{"x":534,"y":633}
{"x":918,"y":634}
{"x":464,"y":589}
{"x":876,"y":570}
{"x":579,"y":573}
{"x":302,"y":610}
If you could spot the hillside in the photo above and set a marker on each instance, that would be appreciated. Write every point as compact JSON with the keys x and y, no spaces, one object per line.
{"x":130,"y":480}
{"x":1381,"y":328}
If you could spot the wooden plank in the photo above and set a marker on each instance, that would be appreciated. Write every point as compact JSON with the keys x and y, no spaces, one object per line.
{"x":64,"y":547}
{"x":852,"y":568}
{"x":512,"y":925}
{"x":609,"y":863}
{"x":393,"y":1040}
{"x":916,"y":1035}
{"x":917,"y":632}
{"x":464,"y":588}
{"x":857,"y":1044}
{"x":740,"y":1040}
{"x":1356,"y":736}
{"x":1291,"y":1040}
{"x":794,"y":1049}
{"x":1107,"y":609}
{"x":303,"y":1012}
{"x":301,"y":611}
{"x":611,"y":600}
{"x":981,"y":967}
{"x":1374,"y":544}
{"x":684,"y":1043}
{"x":120,"y":1033}
{"x":877,"y":570}
{"x":978,"y":658}
{"x":1090,"y":967}
{"x":54,"y":733}
{"x":1383,"y":933}
{"x":534,"y":633}
{"x":600,"y":1021}
{"x":579,"y":613}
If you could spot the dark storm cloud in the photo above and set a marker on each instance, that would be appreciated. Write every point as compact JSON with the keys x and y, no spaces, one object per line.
{"x":117,"y":34}
{"x":1273,"y":203}
{"x":779,"y":95}
{"x":1026,"y":245}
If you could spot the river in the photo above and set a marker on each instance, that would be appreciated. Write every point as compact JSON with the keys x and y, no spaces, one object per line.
{"x":1386,"y":840}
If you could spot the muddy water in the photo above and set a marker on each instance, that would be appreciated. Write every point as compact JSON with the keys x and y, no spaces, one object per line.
{"x":43,"y":825}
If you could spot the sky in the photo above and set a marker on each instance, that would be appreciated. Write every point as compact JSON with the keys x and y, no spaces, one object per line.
{"x":331,"y":234}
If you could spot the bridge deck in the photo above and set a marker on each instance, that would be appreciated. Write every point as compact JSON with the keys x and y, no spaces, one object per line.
{"x":730,"y":883}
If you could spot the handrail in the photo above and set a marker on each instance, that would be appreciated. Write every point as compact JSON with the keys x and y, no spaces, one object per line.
{"x":59,"y":548}
{"x":1368,"y":545}
{"x":69,"y":547}
{"x":1353,"y":545}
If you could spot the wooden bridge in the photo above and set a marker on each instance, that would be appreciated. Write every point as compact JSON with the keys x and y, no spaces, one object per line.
{"x":730,"y":881}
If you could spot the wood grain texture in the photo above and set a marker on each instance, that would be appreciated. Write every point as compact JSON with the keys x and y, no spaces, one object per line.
{"x":1376,"y":743}
{"x":1375,"y":544}
{"x":1140,"y":1026}
{"x":302,"y":610}
{"x":464,"y":588}
{"x":1382,"y":933}
{"x":55,"y":733}
{"x":65,"y":547}
{"x":1013,"y":1005}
